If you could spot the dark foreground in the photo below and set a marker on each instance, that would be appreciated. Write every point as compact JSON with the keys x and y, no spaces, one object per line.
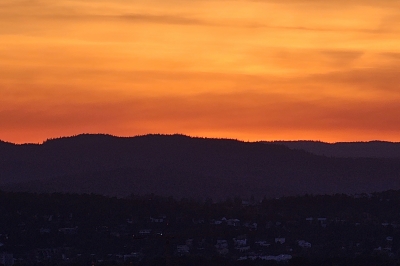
{"x":71,"y":229}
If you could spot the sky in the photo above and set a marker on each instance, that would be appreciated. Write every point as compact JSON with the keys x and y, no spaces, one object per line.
{"x":243,"y":69}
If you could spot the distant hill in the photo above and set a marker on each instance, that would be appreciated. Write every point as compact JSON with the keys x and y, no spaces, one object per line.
{"x":371,"y":149}
{"x":5,"y":144}
{"x":181,"y":166}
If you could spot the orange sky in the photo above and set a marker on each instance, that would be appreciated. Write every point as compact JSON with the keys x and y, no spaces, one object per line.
{"x":246,"y":69}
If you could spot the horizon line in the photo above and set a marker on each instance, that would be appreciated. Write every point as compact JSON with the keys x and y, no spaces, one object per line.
{"x":195,"y":137}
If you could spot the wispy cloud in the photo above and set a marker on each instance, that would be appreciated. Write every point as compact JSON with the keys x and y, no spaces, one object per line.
{"x":164,"y":19}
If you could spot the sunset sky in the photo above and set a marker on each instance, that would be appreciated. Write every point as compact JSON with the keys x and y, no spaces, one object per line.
{"x":245,"y":69}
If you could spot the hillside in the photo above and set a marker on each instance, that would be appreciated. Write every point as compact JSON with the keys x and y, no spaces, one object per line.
{"x":182,"y":166}
{"x":371,"y":149}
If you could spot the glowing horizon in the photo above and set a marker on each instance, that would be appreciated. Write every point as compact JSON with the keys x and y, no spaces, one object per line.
{"x":245,"y":69}
{"x":195,"y":136}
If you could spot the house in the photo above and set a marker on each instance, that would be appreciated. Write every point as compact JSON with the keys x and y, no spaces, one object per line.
{"x":222,"y":247}
{"x":309,"y":220}
{"x":182,"y":249}
{"x":233,"y":222}
{"x":263,"y":243}
{"x":157,"y":220}
{"x":243,"y":248}
{"x":240,"y":242}
{"x":132,"y":256}
{"x":265,"y":257}
{"x":223,"y":251}
{"x":245,"y":203}
{"x":251,"y":226}
{"x":216,"y":222}
{"x":304,"y":244}
{"x":69,"y":230}
{"x":394,"y":225}
{"x":158,"y":232}
{"x":144,"y":232}
{"x":222,"y":243}
{"x":282,"y":257}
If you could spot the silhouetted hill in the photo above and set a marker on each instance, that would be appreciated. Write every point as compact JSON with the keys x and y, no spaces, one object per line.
{"x":182,"y":166}
{"x":371,"y":149}
{"x":4,"y":144}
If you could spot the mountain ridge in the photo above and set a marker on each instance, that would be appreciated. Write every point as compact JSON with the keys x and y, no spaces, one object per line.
{"x":372,"y":149}
{"x":182,"y":166}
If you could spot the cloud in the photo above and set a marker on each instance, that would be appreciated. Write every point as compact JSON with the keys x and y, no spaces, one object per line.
{"x":382,"y":80}
{"x":304,"y":28}
{"x":164,"y":19}
{"x":391,"y":56}
{"x":337,"y":3}
{"x":342,"y":55}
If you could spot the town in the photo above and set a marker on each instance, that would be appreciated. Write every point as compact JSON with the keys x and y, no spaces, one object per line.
{"x":72,"y":229}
